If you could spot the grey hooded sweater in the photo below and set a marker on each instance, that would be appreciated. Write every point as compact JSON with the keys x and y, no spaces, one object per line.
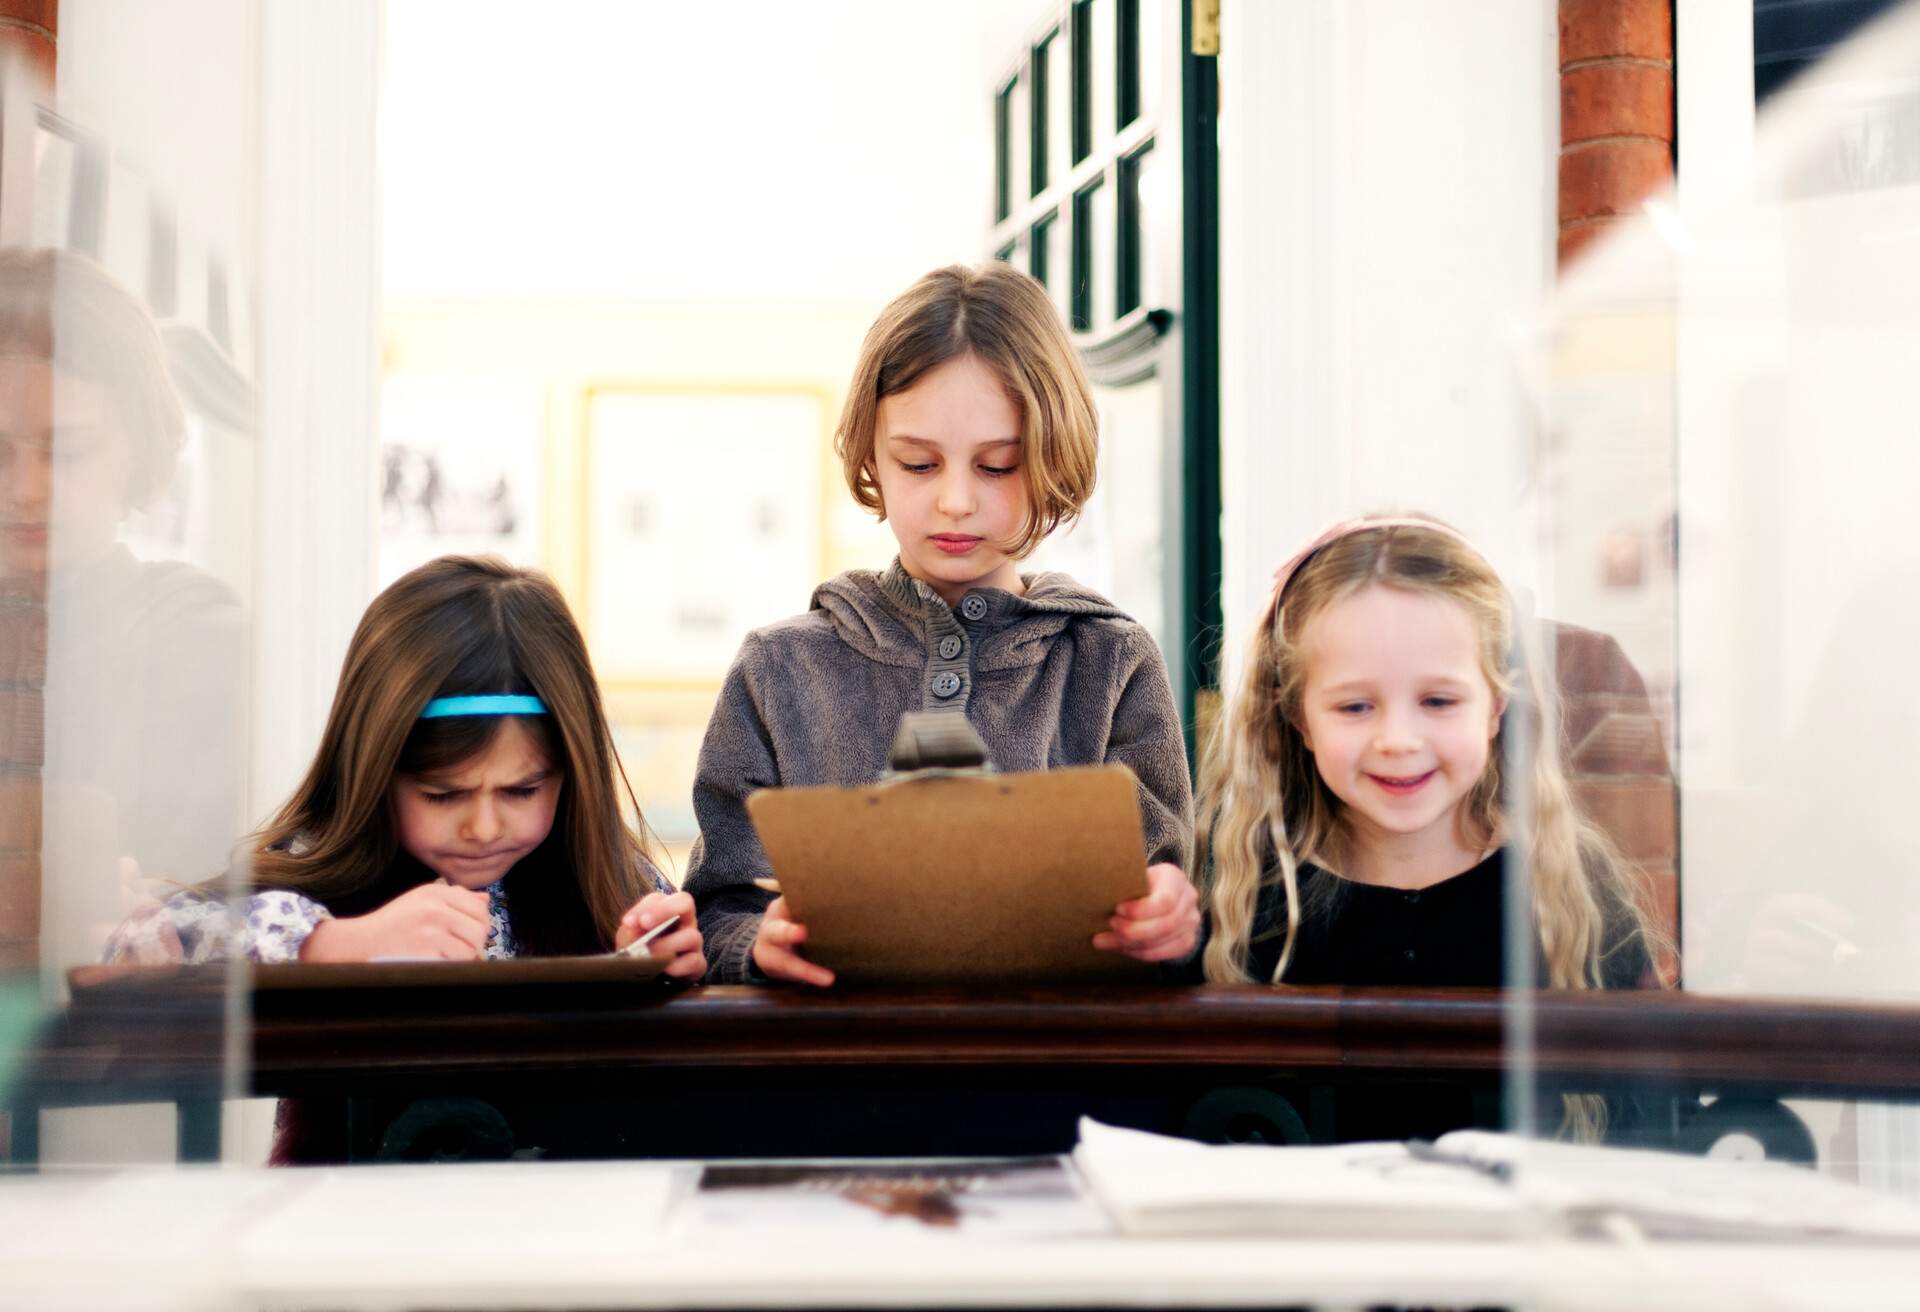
{"x":1054,"y":678}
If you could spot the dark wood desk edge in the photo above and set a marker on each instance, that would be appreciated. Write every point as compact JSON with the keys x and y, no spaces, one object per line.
{"x":1785,"y":1046}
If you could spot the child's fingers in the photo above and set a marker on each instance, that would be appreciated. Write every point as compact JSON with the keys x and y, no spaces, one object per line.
{"x":1149,"y":907}
{"x":1167,"y":888}
{"x":472,"y":903}
{"x":472,"y":932}
{"x":656,"y":907}
{"x":688,"y":965}
{"x":681,"y":941}
{"x":449,"y":946}
{"x":1165,"y":947}
{"x":778,"y":963}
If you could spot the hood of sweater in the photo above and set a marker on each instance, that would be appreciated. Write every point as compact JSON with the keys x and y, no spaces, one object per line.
{"x":893,"y":618}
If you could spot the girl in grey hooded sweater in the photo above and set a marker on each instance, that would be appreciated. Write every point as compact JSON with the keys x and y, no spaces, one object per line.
{"x":969,"y":427}
{"x":1056,"y":677}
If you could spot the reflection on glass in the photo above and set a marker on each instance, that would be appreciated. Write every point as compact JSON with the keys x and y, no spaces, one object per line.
{"x":1727,"y":470}
{"x":142,"y":655}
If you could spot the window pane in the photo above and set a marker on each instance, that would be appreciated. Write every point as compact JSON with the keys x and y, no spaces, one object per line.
{"x":1002,"y":176}
{"x":1040,"y":249}
{"x":1059,"y":105}
{"x":1060,"y":265}
{"x":1159,"y":202}
{"x":1019,"y":139}
{"x":1127,"y":55}
{"x":1104,"y":63}
{"x":1039,"y":76}
{"x":1152,"y":54}
{"x":1130,"y":246}
{"x":1092,"y":303}
{"x":1082,"y":79}
{"x":1104,"y":227}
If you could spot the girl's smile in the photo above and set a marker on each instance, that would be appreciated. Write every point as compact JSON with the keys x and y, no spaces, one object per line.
{"x":1400,"y":718}
{"x":1403,"y":786}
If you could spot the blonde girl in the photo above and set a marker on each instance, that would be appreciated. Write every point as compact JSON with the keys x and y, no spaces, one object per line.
{"x":1355,"y":800}
{"x":462,"y":803}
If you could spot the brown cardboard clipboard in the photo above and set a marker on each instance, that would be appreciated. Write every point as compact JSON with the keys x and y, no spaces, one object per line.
{"x":949,"y":878}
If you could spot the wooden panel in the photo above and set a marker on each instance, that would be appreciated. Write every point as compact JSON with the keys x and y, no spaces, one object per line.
{"x":154,"y":1029}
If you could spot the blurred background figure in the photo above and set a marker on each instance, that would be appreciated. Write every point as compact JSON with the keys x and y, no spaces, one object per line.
{"x":140,"y":704}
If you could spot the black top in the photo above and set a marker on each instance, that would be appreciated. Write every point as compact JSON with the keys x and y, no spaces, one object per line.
{"x":1447,"y":935}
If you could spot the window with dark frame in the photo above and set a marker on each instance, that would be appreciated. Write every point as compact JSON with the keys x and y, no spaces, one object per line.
{"x":1082,"y":80}
{"x":1129,"y":239}
{"x":1110,"y":120}
{"x":1080,"y":301}
{"x":1002,"y":153}
{"x":1038,"y":70}
{"x":1037,"y":249}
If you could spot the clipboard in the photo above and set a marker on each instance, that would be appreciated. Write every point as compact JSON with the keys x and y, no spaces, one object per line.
{"x":941,"y":876}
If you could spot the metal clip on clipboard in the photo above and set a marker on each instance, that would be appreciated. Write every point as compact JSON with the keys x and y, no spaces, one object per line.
{"x":935,"y":745}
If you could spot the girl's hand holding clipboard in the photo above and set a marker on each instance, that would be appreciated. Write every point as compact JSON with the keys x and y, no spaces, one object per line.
{"x":1162,"y":926}
{"x":773,"y":946}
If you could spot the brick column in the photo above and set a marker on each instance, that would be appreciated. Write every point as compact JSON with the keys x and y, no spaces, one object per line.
{"x":1616,"y":112}
{"x":28,"y":32}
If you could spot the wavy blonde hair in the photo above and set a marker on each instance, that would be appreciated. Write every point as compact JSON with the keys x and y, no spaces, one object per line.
{"x":1264,"y":809}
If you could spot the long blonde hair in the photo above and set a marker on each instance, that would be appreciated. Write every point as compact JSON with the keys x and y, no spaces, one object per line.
{"x":1263,"y":808}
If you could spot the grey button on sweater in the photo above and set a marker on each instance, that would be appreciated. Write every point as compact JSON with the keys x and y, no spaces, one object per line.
{"x":1054,"y":678}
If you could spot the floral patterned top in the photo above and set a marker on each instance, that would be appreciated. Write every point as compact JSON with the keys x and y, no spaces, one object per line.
{"x":267,"y":927}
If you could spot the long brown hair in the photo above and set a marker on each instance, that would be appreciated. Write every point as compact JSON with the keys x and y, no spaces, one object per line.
{"x":456,"y":626}
{"x":1264,"y":809}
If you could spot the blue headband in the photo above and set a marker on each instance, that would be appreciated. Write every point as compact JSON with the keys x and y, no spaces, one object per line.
{"x":493,"y":704}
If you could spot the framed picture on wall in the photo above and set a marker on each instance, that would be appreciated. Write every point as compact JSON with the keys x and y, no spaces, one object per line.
{"x":460,"y":469}
{"x":702,"y":519}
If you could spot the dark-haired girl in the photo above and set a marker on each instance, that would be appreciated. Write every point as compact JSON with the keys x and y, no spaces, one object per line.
{"x":462,"y":803}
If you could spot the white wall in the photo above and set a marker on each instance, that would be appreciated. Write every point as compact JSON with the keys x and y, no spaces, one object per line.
{"x":759,"y":150}
{"x":1387,"y":228}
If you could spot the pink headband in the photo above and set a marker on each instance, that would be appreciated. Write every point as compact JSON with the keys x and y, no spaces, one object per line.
{"x":1284,"y":575}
